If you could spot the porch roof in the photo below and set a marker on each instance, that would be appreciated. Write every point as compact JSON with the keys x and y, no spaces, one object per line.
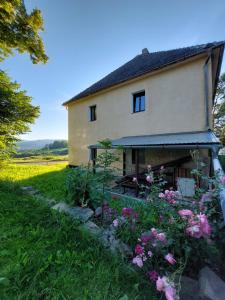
{"x":200,"y":139}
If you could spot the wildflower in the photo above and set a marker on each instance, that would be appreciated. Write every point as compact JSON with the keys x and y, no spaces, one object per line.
{"x":116,"y":223}
{"x":145,"y":238}
{"x":223,"y":180}
{"x":149,"y":167}
{"x":138,"y":261}
{"x":127,"y":211}
{"x":204,"y":224}
{"x":164,"y":285}
{"x":162,"y":168}
{"x":153,"y":276}
{"x":154,"y":232}
{"x":139,"y":249}
{"x":150,"y":253}
{"x":161,"y":237}
{"x":169,"y":257}
{"x":149,"y":179}
{"x":185,"y":213}
{"x":135,"y":179}
{"x":161,"y":195}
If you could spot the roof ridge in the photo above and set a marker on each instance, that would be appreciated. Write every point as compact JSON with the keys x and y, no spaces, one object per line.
{"x":188,"y":47}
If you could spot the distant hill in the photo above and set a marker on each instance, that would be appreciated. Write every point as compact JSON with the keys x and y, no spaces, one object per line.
{"x":33,"y":145}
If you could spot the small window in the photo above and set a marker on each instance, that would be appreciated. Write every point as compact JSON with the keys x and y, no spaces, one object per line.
{"x":139,"y":102}
{"x":92,"y":111}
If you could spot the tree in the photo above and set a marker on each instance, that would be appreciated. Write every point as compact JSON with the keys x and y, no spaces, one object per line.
{"x":20,"y":31}
{"x":16,"y":114}
{"x":219,"y":110}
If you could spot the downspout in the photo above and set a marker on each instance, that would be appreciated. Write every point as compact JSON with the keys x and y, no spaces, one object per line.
{"x":218,"y":170}
{"x":206,"y":88}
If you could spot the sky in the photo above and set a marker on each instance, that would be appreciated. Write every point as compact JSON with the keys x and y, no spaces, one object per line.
{"x":87,"y":39}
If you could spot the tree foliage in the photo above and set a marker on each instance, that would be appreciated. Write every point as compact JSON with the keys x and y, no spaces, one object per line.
{"x":219,"y":110}
{"x":16,"y":113}
{"x":20,"y":31}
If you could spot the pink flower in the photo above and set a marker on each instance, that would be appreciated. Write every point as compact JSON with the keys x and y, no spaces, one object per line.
{"x":170,"y":293}
{"x":161,"y":237}
{"x":116,"y":223}
{"x":194,"y":231}
{"x":149,"y":179}
{"x":134,"y":179}
{"x":161,"y":283}
{"x":204,"y":224}
{"x":139,"y":249}
{"x":127,"y":211}
{"x":154,"y":232}
{"x":145,"y":238}
{"x":223,"y":180}
{"x":150,"y":253}
{"x":198,"y":226}
{"x":169,"y":257}
{"x":161,"y":195}
{"x":153,"y":276}
{"x":185,"y":213}
{"x":138,"y":261}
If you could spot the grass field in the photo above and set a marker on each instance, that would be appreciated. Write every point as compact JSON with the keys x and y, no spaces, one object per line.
{"x":49,"y":179}
{"x":44,"y":256}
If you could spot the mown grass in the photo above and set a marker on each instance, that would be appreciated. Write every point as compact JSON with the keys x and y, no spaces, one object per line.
{"x":43,"y":255}
{"x":49,"y":179}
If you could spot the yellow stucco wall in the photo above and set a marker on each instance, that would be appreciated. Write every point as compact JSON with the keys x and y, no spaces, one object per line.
{"x":174,"y":102}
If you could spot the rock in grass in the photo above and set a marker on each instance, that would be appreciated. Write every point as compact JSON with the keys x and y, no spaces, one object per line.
{"x":98,"y":211}
{"x":211,"y":286}
{"x":189,"y":289}
{"x":61,"y":207}
{"x":81,"y":214}
{"x":30,"y":190}
{"x":92,"y":228}
{"x":77,"y":213}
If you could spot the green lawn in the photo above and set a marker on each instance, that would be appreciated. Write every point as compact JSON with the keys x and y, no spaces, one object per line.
{"x":44,"y":256}
{"x":49,"y":179}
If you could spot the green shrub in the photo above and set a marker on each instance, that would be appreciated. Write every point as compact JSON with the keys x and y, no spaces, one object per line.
{"x":83,"y":188}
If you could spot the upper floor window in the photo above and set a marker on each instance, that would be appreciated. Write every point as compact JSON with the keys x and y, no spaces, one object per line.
{"x":92,"y":113}
{"x":139,"y":102}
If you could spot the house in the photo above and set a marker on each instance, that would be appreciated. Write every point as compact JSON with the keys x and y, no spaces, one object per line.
{"x":157,"y":106}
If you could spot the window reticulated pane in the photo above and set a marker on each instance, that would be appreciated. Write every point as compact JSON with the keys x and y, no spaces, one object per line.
{"x":139,"y":102}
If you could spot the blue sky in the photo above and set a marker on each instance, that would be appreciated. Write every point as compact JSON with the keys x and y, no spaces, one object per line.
{"x":86,"y":39}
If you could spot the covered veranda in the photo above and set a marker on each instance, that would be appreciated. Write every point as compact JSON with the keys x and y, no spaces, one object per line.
{"x":173,"y":151}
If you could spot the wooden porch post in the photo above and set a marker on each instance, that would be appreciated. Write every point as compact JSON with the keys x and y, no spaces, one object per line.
{"x":137,"y":167}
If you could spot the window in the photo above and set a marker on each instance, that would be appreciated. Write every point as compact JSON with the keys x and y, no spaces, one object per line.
{"x":92,"y":111}
{"x":139,"y":102}
{"x":141,"y":156}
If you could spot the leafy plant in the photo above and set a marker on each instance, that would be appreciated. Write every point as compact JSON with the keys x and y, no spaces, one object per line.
{"x":82,"y":187}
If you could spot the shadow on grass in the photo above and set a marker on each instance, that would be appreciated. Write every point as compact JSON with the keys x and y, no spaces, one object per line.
{"x":50,"y":184}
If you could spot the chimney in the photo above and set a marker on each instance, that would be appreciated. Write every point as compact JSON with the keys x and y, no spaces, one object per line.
{"x":145,"y":51}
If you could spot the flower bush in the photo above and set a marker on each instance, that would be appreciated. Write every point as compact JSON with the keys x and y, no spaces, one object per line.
{"x":175,"y":237}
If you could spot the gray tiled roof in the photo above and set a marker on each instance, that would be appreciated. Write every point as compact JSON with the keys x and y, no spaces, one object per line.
{"x":142,"y":64}
{"x":203,"y":138}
